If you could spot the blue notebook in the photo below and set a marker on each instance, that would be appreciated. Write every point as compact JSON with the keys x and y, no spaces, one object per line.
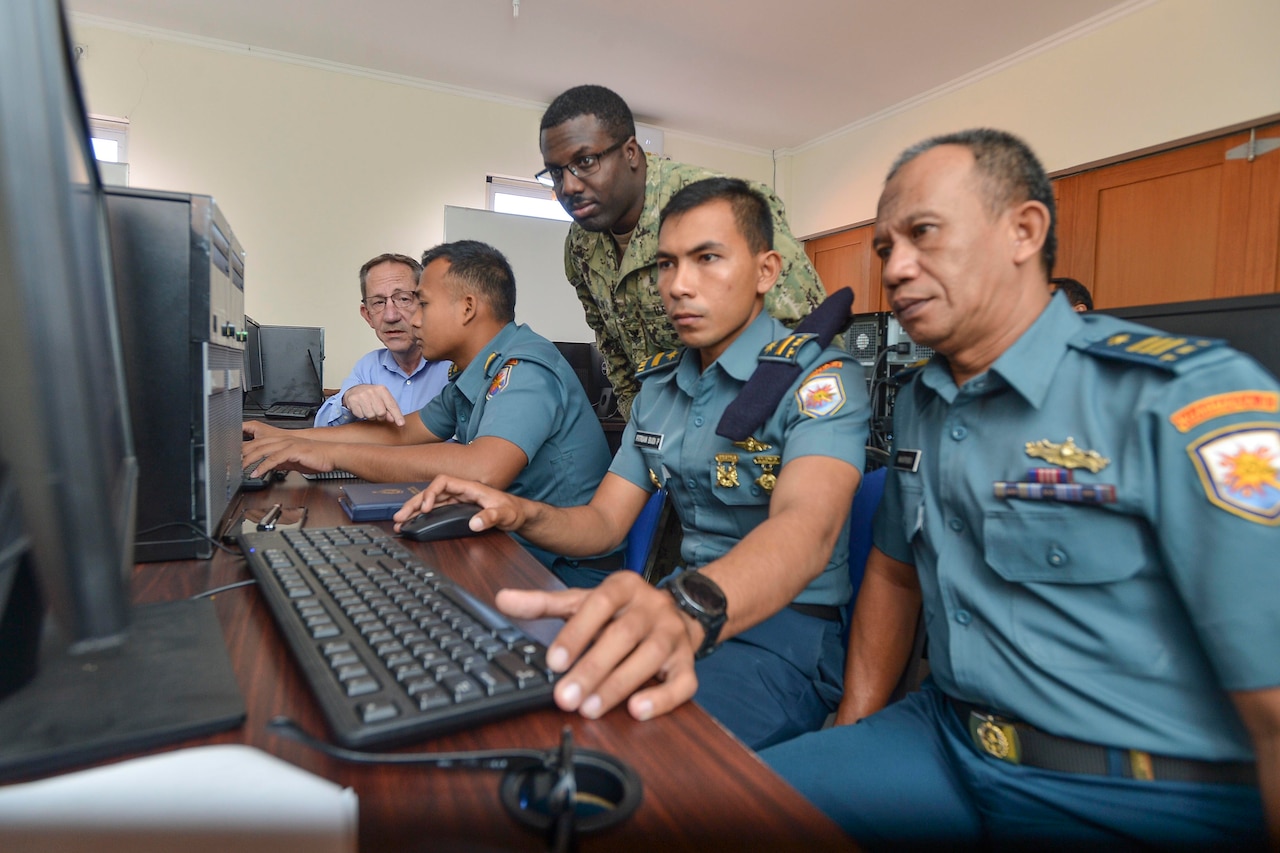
{"x":377,"y":501}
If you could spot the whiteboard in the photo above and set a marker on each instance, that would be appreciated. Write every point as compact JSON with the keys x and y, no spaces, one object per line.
{"x":535,"y":249}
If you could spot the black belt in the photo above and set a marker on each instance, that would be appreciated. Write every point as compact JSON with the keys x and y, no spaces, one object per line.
{"x":829,"y":612}
{"x":607,"y":563}
{"x":1020,"y":743}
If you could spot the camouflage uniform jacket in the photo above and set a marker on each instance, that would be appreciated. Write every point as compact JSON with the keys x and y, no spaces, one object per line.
{"x":621,"y":299}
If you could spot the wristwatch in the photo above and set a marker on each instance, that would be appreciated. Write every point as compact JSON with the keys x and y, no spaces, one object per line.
{"x":700,"y":597}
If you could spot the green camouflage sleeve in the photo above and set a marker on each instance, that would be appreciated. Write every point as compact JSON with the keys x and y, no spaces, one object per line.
{"x":799,"y":290}
{"x":617,"y":366}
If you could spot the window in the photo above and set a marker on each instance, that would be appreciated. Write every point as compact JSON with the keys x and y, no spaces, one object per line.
{"x":110,"y":138}
{"x":526,"y":198}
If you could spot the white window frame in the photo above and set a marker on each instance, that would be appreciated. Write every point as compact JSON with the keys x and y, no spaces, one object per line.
{"x":114,"y":129}
{"x":496,"y":185}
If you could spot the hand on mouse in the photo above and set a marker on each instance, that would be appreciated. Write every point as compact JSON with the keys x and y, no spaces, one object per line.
{"x":499,"y":509}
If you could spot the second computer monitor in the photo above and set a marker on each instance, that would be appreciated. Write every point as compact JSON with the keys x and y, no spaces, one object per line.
{"x":292,"y":365}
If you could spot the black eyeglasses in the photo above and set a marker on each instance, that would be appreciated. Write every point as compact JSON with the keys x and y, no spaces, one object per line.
{"x":582,"y":166}
{"x":404,"y":300}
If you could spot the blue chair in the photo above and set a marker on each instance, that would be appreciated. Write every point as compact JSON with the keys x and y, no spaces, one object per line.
{"x":864,"y":509}
{"x":640,"y":539}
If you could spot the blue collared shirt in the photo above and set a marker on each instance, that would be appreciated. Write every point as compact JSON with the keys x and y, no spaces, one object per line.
{"x":411,"y":391}
{"x":671,"y":439}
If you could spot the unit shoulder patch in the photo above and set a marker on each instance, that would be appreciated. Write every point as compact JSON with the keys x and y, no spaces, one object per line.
{"x":501,"y":379}
{"x":1206,"y":409}
{"x":658,"y":363}
{"x":820,"y":395}
{"x":1239,"y":467}
{"x":1163,"y":351}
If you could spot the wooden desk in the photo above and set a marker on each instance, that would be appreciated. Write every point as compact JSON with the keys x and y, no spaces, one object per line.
{"x":702,"y":789}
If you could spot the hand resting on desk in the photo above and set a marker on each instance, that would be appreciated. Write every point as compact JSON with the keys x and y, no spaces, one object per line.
{"x":617,"y":637}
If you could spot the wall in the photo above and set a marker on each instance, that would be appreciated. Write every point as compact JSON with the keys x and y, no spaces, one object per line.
{"x":317,"y":170}
{"x":1169,"y":70}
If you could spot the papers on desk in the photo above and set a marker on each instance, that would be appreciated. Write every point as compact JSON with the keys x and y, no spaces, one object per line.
{"x":209,"y":798}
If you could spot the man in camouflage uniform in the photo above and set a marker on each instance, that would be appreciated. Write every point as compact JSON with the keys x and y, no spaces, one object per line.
{"x":614,"y":191}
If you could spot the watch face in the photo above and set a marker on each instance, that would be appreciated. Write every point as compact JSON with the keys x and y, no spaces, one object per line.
{"x":702,"y":591}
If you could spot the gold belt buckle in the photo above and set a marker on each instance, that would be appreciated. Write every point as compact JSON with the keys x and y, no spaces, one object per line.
{"x":996,"y":738}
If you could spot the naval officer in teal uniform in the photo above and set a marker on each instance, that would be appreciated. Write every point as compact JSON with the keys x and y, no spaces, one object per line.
{"x":516,"y":408}
{"x":763,"y":498}
{"x":1089,"y":511}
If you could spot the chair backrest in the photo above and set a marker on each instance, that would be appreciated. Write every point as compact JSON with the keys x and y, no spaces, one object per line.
{"x":860,"y":516}
{"x":640,"y":539}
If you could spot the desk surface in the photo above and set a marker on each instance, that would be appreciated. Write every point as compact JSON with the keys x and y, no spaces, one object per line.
{"x":702,"y":789}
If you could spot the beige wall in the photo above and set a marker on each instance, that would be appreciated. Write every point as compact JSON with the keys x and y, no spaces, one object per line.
{"x":317,"y":170}
{"x":1167,"y":71}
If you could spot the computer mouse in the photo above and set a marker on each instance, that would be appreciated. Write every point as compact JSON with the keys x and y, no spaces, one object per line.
{"x":449,"y":521}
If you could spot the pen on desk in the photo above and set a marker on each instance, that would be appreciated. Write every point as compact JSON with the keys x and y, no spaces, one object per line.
{"x":269,"y":520}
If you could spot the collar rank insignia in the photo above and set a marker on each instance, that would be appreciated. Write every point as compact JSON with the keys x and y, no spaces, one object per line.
{"x":1156,"y":350}
{"x":1067,"y":454}
{"x":786,"y":349}
{"x":501,"y":379}
{"x":657,"y":362}
{"x":453,"y":371}
{"x":1239,"y":467}
{"x":488,"y":362}
{"x":752,"y":445}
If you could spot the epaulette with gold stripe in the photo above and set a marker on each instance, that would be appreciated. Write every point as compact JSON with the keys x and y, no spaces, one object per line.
{"x":657,"y":363}
{"x":1164,"y":351}
{"x":786,"y":350}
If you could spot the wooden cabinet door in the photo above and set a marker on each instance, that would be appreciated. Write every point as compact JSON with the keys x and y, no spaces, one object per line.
{"x":1183,"y":225}
{"x":846,"y":260}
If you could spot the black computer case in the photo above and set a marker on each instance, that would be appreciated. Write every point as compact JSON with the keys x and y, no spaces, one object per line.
{"x":179,"y":277}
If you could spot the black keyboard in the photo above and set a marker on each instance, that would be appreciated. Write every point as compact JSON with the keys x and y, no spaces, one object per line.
{"x":393,"y":650}
{"x":297,"y":411}
{"x":336,"y":474}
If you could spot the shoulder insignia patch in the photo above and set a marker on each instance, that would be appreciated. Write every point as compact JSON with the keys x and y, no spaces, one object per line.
{"x":786,"y":349}
{"x":822,"y":368}
{"x":501,"y":379}
{"x":1205,"y":409}
{"x":1155,"y":350}
{"x":658,"y":362}
{"x":1239,"y":467}
{"x":821,"y":394}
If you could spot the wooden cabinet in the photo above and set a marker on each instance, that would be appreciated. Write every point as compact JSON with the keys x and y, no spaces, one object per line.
{"x":1182,"y":225}
{"x":1185,"y":224}
{"x":845,"y":259}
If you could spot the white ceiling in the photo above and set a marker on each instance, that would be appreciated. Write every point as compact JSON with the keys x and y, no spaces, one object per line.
{"x":762,"y":74}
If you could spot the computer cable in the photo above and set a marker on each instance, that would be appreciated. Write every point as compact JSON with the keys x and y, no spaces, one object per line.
{"x":560,"y":792}
{"x":192,"y":527}
{"x":208,"y":593}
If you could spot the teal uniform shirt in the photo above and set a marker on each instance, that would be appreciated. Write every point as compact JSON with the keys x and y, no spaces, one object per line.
{"x":721,"y":491}
{"x":1120,"y":623}
{"x":521,"y":389}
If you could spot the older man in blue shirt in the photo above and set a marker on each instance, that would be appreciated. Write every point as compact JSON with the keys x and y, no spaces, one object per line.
{"x":387,"y":382}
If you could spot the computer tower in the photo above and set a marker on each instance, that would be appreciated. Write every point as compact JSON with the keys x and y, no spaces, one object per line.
{"x":179,"y":279}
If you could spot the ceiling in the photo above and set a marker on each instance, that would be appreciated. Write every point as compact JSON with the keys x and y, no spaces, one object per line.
{"x":761,"y":74}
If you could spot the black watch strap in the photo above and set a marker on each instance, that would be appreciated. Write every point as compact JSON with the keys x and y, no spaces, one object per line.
{"x":701,"y":597}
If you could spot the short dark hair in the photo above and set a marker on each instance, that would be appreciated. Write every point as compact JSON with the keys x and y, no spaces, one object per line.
{"x":1076,"y":292}
{"x":481,"y":269}
{"x":1011,"y":174}
{"x":605,"y":104}
{"x":382,"y":259}
{"x":750,"y":211}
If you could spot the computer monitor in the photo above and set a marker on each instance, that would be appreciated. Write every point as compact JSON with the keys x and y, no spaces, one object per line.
{"x":292,"y":365}
{"x":96,"y":677}
{"x":1248,"y":323}
{"x":252,"y":355}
